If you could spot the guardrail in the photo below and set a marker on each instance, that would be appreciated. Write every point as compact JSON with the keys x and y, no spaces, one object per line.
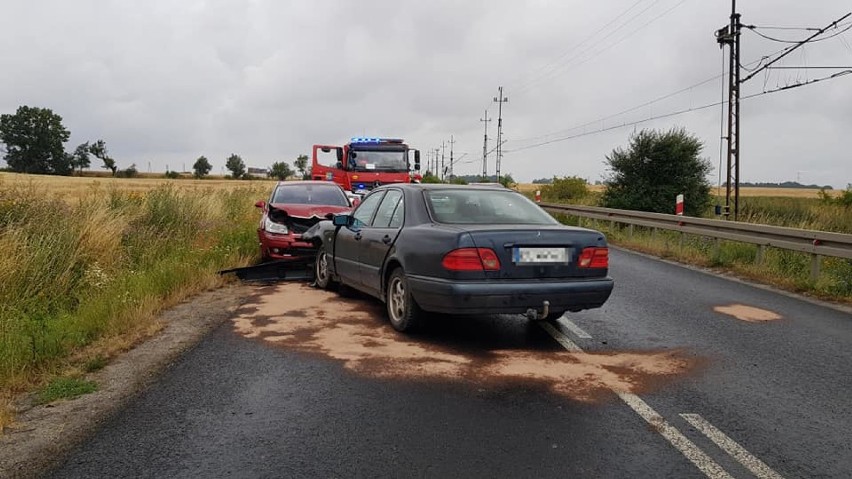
{"x":816,"y":243}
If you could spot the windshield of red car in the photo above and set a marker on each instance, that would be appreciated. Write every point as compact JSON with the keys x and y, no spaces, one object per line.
{"x":302,"y":194}
{"x":469,"y":206}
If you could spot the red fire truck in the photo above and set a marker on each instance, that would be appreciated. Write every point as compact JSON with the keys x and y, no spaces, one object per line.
{"x":365,"y":163}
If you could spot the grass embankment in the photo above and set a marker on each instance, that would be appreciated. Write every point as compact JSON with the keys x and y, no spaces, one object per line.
{"x":83,"y":275}
{"x":786,"y":269}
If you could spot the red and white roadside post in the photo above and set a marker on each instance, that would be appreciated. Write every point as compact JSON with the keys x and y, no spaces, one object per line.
{"x":538,"y":196}
{"x":679,"y":205}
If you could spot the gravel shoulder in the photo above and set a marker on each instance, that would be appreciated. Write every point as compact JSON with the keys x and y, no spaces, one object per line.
{"x":44,"y":434}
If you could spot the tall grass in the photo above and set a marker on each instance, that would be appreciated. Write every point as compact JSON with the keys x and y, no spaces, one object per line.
{"x":104,"y":264}
{"x":788,"y":269}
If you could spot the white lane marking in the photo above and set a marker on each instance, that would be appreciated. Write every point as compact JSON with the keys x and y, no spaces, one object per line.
{"x":561,"y":338}
{"x":573,"y":328}
{"x":680,"y":442}
{"x":753,"y":464}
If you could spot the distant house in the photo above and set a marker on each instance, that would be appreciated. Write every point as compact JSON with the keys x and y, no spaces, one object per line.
{"x":261,"y":172}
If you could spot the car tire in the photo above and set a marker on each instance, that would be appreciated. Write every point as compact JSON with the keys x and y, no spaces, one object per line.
{"x":404,"y":313}
{"x":322,"y":272}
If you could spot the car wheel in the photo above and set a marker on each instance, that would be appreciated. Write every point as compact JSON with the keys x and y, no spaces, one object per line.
{"x":405,"y":315}
{"x":322,"y":272}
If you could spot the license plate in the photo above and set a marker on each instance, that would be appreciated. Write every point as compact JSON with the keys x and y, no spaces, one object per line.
{"x":524,"y":255}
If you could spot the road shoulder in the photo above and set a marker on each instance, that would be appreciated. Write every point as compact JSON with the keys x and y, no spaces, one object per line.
{"x":44,"y":434}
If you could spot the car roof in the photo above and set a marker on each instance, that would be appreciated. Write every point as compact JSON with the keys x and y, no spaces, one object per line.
{"x":444,"y":186}
{"x":307,"y":182}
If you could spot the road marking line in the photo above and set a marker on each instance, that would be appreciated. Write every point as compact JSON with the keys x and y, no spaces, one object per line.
{"x":573,"y":328}
{"x":680,"y":442}
{"x":753,"y":464}
{"x":561,"y":338}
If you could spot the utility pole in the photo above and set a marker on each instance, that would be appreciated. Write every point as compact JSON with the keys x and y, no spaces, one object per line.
{"x":435,"y":171}
{"x":485,"y":147}
{"x":499,"y":100}
{"x":452,"y":142}
{"x":443,"y":148}
{"x":729,"y":36}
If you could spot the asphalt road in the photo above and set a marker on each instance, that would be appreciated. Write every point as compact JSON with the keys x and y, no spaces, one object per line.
{"x":679,"y":379}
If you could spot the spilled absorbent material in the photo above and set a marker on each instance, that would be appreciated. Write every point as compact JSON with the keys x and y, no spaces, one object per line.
{"x":747,"y":313}
{"x":355,"y":332}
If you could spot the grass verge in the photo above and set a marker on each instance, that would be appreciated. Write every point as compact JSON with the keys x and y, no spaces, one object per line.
{"x":785,"y":269}
{"x":65,"y":388}
{"x":81,"y":281}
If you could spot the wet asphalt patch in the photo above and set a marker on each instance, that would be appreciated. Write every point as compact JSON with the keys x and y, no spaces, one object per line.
{"x":485,"y":352}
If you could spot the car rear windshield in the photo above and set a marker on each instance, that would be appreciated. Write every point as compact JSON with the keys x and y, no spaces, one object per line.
{"x":318,"y":194}
{"x":475,"y":206}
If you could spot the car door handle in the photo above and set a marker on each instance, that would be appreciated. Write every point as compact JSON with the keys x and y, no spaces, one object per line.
{"x":386,"y":240}
{"x":358,"y":236}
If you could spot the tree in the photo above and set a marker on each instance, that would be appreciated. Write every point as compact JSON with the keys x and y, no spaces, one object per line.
{"x":80,"y":157}
{"x":99,"y":150}
{"x":280,"y":170}
{"x":301,"y":165}
{"x":236,"y":166}
{"x":34,"y":139}
{"x":656,"y":168}
{"x":202,"y":167}
{"x":130,"y":172}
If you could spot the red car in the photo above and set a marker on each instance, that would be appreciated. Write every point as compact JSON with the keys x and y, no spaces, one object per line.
{"x":293,"y":207}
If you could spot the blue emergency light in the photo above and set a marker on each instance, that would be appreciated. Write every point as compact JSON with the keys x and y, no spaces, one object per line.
{"x":361,"y":140}
{"x":366,"y":141}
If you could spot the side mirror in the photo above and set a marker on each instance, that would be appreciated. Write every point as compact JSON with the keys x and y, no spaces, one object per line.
{"x":356,"y":202}
{"x":417,"y":160}
{"x":340,"y":155}
{"x":341,"y":220}
{"x":325,"y":149}
{"x":260,"y":204}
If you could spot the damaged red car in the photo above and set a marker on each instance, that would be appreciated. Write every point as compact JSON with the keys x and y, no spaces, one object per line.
{"x":293,"y":207}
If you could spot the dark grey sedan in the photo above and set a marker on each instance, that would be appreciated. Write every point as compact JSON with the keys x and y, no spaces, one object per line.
{"x":461,"y":250}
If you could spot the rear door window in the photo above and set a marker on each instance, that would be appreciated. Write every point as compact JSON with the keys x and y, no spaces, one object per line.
{"x":364,"y":214}
{"x":386,"y":211}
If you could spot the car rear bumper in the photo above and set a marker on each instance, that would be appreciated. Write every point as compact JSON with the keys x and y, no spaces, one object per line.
{"x":508,"y":297}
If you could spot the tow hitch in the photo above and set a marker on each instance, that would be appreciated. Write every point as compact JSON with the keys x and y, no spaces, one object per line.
{"x":533,"y":315}
{"x":298,"y":270}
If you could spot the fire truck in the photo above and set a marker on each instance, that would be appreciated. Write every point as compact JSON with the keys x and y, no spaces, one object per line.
{"x":365,"y":163}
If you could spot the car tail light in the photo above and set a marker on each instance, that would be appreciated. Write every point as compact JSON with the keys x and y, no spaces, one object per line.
{"x":471,"y":259}
{"x":594,"y":258}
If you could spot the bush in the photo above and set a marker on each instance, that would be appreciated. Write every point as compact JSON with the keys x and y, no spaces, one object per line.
{"x":654,"y":169}
{"x":172,"y":175}
{"x":565,"y":189}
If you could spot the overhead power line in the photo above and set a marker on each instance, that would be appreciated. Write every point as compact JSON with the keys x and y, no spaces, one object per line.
{"x":582,"y":42}
{"x":753,"y":29}
{"x":678,"y":112}
{"x":556,"y":65}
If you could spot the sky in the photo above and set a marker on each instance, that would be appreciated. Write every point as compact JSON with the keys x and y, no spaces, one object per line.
{"x":163,"y":82}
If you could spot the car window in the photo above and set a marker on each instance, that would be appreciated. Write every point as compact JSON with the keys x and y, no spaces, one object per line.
{"x":364,"y":213}
{"x":310,"y":194}
{"x":398,"y":214}
{"x":474,"y":206}
{"x":386,"y":210}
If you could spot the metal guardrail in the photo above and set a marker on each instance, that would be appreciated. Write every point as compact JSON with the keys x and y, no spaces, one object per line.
{"x":816,"y":243}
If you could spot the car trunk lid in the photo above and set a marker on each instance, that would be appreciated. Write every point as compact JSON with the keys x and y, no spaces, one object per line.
{"x":530,"y":251}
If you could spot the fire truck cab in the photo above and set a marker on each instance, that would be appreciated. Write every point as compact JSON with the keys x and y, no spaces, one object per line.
{"x":365,"y":163}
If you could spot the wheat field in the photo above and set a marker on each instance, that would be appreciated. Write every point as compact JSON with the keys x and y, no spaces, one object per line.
{"x":75,"y":187}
